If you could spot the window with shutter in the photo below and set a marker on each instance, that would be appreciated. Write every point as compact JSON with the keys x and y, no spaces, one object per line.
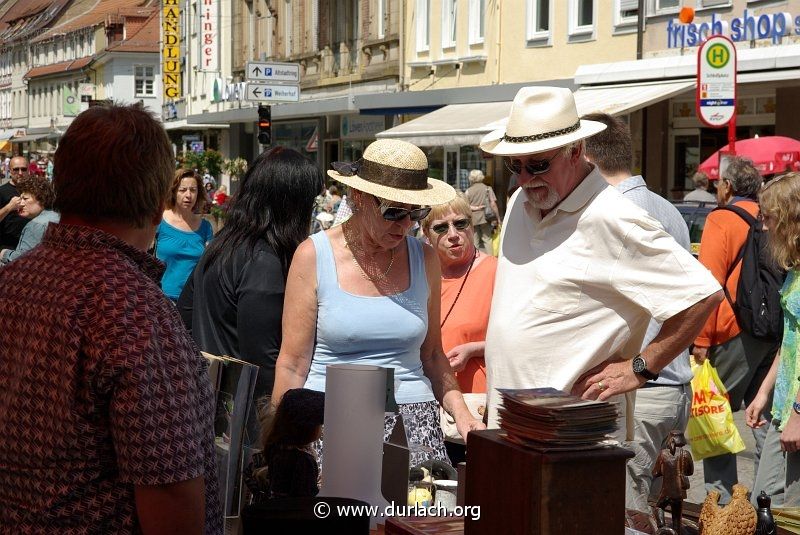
{"x":626,"y":13}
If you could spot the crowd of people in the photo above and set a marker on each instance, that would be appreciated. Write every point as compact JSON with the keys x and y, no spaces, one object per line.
{"x":106,"y":403}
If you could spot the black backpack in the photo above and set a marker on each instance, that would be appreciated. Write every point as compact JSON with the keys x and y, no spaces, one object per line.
{"x":758,"y":299}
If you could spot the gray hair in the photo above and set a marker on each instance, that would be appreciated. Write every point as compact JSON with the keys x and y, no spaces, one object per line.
{"x":566,"y":150}
{"x":475,"y":176}
{"x":700,"y":180}
{"x":744,"y":178}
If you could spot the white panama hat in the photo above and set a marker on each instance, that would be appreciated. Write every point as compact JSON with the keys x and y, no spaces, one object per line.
{"x":394,"y":170}
{"x":542,"y":119}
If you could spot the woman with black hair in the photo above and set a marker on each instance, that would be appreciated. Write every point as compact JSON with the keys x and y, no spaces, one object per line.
{"x":233,"y":302}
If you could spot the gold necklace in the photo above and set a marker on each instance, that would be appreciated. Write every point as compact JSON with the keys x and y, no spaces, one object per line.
{"x":379,"y":276}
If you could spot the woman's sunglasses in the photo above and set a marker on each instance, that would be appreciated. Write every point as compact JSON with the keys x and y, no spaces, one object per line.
{"x":458,"y":224}
{"x":395,"y":213}
{"x":533,"y":167}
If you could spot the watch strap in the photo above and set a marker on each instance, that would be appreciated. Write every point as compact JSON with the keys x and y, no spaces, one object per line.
{"x":644,"y":372}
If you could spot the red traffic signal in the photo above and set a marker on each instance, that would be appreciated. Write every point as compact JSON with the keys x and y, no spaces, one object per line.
{"x":264,"y":125}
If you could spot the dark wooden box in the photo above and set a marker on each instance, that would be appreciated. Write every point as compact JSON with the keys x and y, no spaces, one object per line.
{"x":526,"y":492}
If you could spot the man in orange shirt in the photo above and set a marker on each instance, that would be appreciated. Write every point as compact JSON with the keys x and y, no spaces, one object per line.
{"x":741,"y":360}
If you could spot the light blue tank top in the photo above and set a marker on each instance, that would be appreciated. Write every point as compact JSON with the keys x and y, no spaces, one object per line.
{"x":381,"y":331}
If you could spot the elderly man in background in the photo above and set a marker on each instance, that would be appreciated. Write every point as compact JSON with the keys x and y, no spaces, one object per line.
{"x":700,"y":192}
{"x":742,"y":361}
{"x":582,"y":270}
{"x":662,"y":405}
{"x":11,"y":223}
{"x":105,"y":403}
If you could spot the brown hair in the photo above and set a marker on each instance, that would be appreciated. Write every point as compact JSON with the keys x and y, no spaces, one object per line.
{"x":611,"y":149}
{"x":113,"y":163}
{"x":780,"y":201}
{"x":39,"y":187}
{"x":180,"y":174}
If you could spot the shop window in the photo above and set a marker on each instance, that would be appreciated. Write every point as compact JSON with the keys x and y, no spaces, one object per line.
{"x":477,"y":14}
{"x":470,"y":158}
{"x":745,"y":106}
{"x":538,"y":20}
{"x":687,"y":158}
{"x":435,"y":162}
{"x":683,"y":108}
{"x":449,"y":23}
{"x":297,"y":136}
{"x":581,"y":17}
{"x":765,"y":105}
{"x":143,"y":80}
{"x":353,"y":150}
{"x":423,"y":14}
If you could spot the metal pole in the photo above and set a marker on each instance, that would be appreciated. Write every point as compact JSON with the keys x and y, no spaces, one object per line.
{"x":639,"y":29}
{"x":732,"y":134}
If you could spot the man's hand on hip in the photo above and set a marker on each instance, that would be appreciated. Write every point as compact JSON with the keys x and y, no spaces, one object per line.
{"x":611,"y":378}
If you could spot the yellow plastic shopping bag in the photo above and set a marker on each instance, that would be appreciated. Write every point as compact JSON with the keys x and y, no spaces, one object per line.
{"x":711,"y":430}
{"x":496,"y":240}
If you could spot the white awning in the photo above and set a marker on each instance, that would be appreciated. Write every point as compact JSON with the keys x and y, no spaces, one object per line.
{"x":759,"y":60}
{"x":29,"y":138}
{"x":620,"y":99}
{"x":7,"y":133}
{"x":456,"y":124}
{"x":182,"y":124}
{"x":466,"y":124}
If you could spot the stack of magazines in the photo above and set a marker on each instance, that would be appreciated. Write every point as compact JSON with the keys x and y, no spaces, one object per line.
{"x":546,"y":419}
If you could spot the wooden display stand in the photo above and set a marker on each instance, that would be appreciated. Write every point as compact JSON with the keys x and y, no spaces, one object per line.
{"x":527,"y":492}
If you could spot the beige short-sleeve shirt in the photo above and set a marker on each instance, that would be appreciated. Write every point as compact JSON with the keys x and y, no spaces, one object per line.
{"x":579,"y":286}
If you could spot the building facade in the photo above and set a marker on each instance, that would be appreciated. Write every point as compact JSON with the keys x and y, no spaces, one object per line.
{"x":476,"y":54}
{"x":56,"y":58}
{"x":767,"y":39}
{"x":345,"y":50}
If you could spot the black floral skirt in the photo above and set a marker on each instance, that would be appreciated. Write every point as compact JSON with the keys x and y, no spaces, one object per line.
{"x":425,"y":437}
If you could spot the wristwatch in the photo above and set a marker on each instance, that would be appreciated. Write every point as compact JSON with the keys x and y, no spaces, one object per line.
{"x":796,"y":407}
{"x":640,"y":368}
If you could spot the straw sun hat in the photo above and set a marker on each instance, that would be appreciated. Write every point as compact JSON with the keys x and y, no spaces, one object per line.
{"x":394,"y":170}
{"x":541,"y":119}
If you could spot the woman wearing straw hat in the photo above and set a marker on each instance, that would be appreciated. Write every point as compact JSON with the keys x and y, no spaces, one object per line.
{"x":363,"y":293}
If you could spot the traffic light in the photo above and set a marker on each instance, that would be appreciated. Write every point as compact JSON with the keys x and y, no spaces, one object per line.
{"x":264,"y":125}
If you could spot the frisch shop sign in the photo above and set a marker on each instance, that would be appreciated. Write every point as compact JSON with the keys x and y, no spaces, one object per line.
{"x":748,"y":27}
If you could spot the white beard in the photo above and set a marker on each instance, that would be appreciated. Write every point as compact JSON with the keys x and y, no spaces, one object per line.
{"x":548,"y":202}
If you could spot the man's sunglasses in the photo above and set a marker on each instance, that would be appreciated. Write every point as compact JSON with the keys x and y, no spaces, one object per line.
{"x":19,"y":169}
{"x":395,"y":213}
{"x":533,"y":167}
{"x":458,"y":224}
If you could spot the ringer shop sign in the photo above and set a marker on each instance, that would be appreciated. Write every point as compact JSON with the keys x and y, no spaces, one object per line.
{"x":209,"y":36}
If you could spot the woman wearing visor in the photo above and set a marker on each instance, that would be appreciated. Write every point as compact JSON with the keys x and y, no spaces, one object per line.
{"x":364,"y":292}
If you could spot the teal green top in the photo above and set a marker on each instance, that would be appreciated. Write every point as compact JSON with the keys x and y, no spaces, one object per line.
{"x":786,"y":384}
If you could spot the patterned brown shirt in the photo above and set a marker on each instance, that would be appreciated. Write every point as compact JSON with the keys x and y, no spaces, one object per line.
{"x":101,"y":388}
